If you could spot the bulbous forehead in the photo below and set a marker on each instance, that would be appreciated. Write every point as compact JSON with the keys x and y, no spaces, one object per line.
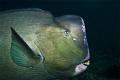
{"x":74,"y":24}
{"x":71,"y":22}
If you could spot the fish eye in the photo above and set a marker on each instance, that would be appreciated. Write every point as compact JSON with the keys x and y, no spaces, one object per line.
{"x":74,"y":39}
{"x":66,"y":33}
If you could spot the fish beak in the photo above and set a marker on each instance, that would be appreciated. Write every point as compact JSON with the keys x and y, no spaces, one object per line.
{"x":86,"y":62}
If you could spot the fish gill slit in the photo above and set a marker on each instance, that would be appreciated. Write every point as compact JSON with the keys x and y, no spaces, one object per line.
{"x":39,"y":52}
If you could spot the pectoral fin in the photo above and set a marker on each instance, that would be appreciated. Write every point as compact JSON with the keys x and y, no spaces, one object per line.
{"x":21,"y":53}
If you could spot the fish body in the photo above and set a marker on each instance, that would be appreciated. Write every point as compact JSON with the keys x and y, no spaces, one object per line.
{"x":34,"y":45}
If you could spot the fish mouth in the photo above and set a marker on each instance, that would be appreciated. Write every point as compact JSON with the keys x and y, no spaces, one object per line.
{"x":86,"y":62}
{"x":82,"y":66}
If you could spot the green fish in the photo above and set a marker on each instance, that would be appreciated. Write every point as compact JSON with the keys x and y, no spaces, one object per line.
{"x":34,"y":45}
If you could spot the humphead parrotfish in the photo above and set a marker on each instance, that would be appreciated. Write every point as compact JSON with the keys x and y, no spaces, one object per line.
{"x":34,"y":45}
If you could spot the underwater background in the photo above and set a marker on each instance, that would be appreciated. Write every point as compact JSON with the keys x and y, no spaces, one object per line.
{"x":101,"y":19}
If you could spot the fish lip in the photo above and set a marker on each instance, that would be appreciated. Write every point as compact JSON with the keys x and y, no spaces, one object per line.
{"x":81,"y":67}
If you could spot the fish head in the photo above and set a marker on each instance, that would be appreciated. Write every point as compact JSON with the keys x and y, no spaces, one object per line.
{"x":64,"y":46}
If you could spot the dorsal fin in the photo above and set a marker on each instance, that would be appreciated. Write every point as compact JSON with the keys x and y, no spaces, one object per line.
{"x":21,"y":53}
